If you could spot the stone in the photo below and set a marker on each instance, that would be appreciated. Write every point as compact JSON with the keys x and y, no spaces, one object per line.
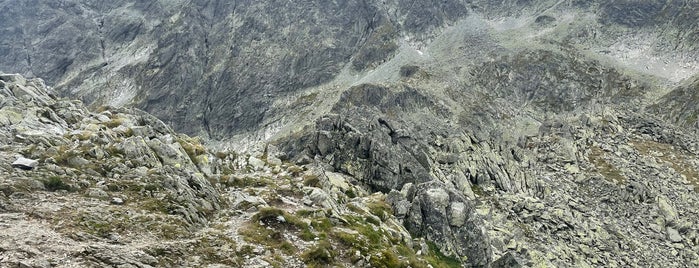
{"x":13,"y":78}
{"x":673,"y":235}
{"x":10,"y":116}
{"x":25,"y":163}
{"x":143,"y":131}
{"x":256,"y":163}
{"x":274,"y":161}
{"x":667,"y":210}
{"x":96,"y":193}
{"x":116,"y":201}
{"x":320,"y":197}
{"x":102,"y":118}
{"x":572,"y":169}
{"x":458,"y":214}
{"x":507,"y":261}
{"x":460,"y":133}
{"x":338,"y":180}
{"x":429,"y":217}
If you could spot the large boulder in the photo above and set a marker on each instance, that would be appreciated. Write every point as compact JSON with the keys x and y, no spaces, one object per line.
{"x":450,"y":221}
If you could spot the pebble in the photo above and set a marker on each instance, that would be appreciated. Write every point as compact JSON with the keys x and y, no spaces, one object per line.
{"x":117,"y":201}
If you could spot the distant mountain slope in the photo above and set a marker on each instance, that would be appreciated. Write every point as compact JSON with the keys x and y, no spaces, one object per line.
{"x":217,"y":67}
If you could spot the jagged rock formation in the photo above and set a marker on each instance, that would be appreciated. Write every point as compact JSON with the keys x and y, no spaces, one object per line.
{"x":217,"y":68}
{"x":119,"y":188}
{"x":505,"y":133}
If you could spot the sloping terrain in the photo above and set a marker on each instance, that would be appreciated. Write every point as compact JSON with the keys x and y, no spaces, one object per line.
{"x":372,"y":134}
{"x":119,"y":188}
{"x":216,"y":68}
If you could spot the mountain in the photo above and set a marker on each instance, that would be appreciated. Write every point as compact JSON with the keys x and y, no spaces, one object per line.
{"x":496,"y":133}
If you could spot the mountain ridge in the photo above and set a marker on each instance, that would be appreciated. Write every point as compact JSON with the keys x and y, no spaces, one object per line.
{"x":471,"y":133}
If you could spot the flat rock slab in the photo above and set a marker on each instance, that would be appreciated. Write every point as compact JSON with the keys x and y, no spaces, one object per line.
{"x":25,"y":163}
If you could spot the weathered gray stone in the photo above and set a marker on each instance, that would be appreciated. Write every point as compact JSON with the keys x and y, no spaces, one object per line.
{"x":256,"y":163}
{"x":506,"y":261}
{"x":116,"y":201}
{"x":673,"y":235}
{"x":25,"y":163}
{"x":667,"y":210}
{"x":458,"y":214}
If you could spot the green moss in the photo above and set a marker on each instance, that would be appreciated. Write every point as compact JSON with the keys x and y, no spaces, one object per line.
{"x":478,"y":190}
{"x":350,"y":194}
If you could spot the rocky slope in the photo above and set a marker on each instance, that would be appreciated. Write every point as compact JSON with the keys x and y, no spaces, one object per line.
{"x":496,"y":133}
{"x":218,"y":68}
{"x":119,"y":188}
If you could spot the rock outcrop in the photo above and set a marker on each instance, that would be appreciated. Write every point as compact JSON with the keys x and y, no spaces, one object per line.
{"x":360,"y":134}
{"x":116,"y":170}
{"x":119,"y":188}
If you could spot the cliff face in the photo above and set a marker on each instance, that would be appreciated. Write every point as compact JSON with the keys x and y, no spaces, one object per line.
{"x":504,"y":133}
{"x":217,"y":67}
{"x":216,"y":64}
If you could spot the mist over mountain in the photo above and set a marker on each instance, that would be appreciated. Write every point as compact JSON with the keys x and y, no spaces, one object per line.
{"x":464,"y":133}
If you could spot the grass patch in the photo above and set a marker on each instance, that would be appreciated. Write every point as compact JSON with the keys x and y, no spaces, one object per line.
{"x":55,"y":183}
{"x":193,"y":148}
{"x":320,"y":255}
{"x":114,"y":123}
{"x":267,"y":227}
{"x":438,"y":260}
{"x":609,"y":171}
{"x":677,"y":159}
{"x":350,"y":194}
{"x":211,"y":249}
{"x":245,"y":182}
{"x":386,"y":258}
{"x":380,"y":209}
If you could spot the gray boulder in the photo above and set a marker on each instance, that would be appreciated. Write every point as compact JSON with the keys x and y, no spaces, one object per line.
{"x":450,"y":221}
{"x":25,"y":163}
